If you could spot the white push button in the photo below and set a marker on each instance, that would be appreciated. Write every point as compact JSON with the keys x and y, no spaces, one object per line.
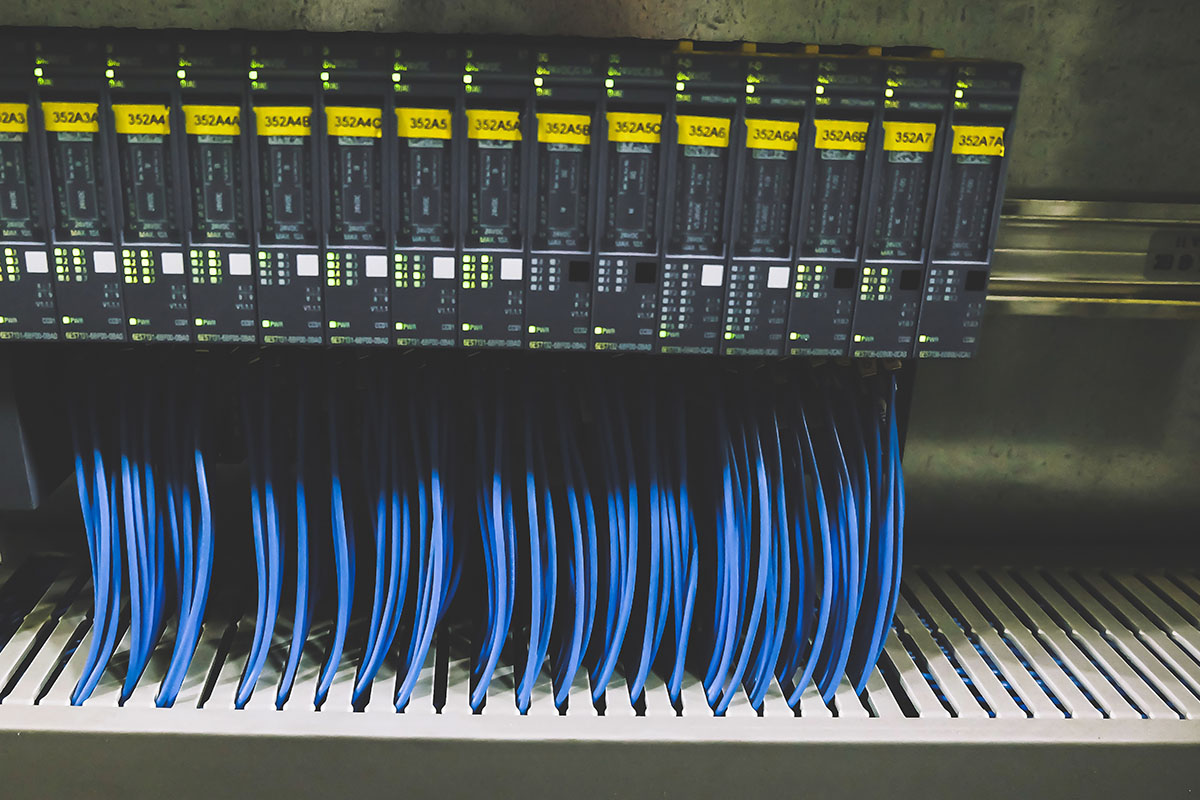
{"x":712,"y":274}
{"x":376,"y":266}
{"x":308,"y":265}
{"x":511,"y":269}
{"x":443,"y":268}
{"x":35,"y":263}
{"x":105,"y":262}
{"x":172,"y":263}
{"x":777,"y":277}
{"x":239,"y":263}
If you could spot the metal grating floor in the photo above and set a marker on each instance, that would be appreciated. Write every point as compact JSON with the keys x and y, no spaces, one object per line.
{"x":968,"y":643}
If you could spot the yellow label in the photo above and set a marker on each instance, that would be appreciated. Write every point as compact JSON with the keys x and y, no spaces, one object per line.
{"x":909,"y":137}
{"x":366,"y":123}
{"x":283,"y":120}
{"x":141,"y":119}
{"x":500,"y":125}
{"x":977,"y":140}
{"x":626,"y":127}
{"x":213,"y":120}
{"x":771,"y":134}
{"x":565,"y":128}
{"x":838,"y":134}
{"x":706,"y":131}
{"x":423,"y":123}
{"x":72,"y":117}
{"x":14,"y":118}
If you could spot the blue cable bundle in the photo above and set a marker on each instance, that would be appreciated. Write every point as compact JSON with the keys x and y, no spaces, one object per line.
{"x":268,"y":542}
{"x":624,"y":522}
{"x":305,"y":599}
{"x":191,"y":525}
{"x":582,"y":568}
{"x":98,"y":501}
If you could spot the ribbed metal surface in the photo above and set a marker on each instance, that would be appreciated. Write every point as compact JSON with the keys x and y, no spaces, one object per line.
{"x":970,"y":643}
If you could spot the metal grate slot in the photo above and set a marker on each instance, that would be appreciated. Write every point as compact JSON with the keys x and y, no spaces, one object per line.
{"x":968,"y":643}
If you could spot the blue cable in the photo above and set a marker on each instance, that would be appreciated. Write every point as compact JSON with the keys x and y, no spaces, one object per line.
{"x":265,"y":550}
{"x":166,"y":692}
{"x":573,"y":649}
{"x":397,"y":580}
{"x":190,"y":623}
{"x":827,"y":587}
{"x":190,"y":629}
{"x":764,"y":554}
{"x":835,"y":666}
{"x":532,"y":665}
{"x":376,"y":647}
{"x":734,"y":525}
{"x":135,"y":551}
{"x":621,"y":575}
{"x":429,"y":560}
{"x":496,"y":558}
{"x":300,"y":615}
{"x":549,"y":594}
{"x":649,"y":647}
{"x":878,"y":631}
{"x":687,"y":527}
{"x":614,"y":519}
{"x":782,"y":561}
{"x":110,"y":554}
{"x":341,"y":558}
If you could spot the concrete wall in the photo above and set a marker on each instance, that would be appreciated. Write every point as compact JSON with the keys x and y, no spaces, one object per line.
{"x":1112,"y":88}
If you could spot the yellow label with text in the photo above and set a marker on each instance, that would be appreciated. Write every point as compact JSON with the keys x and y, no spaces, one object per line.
{"x":366,"y":123}
{"x":14,"y":118}
{"x":283,"y":120}
{"x":772,"y":134}
{"x":977,"y":140}
{"x":489,"y":124}
{"x":212,"y":120}
{"x":564,"y":128}
{"x":141,"y":119}
{"x":72,"y":117}
{"x":705,"y":131}
{"x":840,"y":134}
{"x":624,"y":126}
{"x":423,"y":123}
{"x":909,"y":137}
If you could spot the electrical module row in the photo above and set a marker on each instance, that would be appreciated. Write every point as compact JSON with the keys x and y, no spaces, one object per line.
{"x":481,"y":192}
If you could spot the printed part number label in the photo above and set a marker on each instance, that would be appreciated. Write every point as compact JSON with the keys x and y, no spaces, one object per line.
{"x":212,"y":120}
{"x":770,"y":134}
{"x":703,"y":131}
{"x":423,"y":123}
{"x":909,"y":137}
{"x":840,"y":134}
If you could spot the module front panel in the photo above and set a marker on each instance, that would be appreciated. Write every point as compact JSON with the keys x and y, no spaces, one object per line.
{"x":288,"y":267}
{"x":152,"y":257}
{"x":222,"y":285}
{"x":968,"y":210}
{"x":605,"y":195}
{"x":87,"y":281}
{"x":27,"y":307}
